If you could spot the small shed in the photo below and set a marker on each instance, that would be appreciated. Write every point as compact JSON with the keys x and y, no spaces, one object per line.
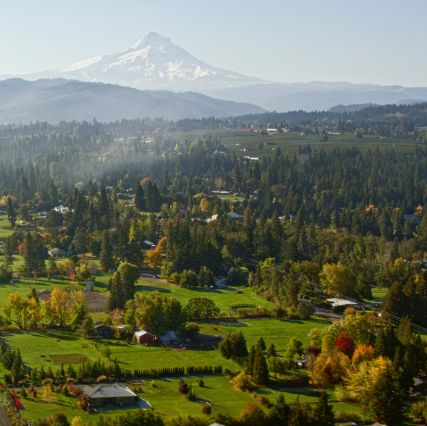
{"x":143,"y":336}
{"x":89,"y":285}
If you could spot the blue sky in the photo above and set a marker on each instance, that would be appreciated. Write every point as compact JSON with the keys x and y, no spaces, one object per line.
{"x":360,"y":41}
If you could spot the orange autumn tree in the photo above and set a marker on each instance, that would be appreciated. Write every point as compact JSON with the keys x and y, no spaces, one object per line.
{"x":363,"y":353}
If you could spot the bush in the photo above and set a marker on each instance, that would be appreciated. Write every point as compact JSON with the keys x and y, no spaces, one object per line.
{"x":191,"y":395}
{"x":201,"y":383}
{"x":243,"y":382}
{"x":183,"y":387}
{"x":264,"y":401}
{"x":207,"y":409}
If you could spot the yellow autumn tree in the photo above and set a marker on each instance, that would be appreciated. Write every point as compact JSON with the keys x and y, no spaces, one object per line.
{"x":363,"y":353}
{"x":330,"y":368}
{"x":153,"y":258}
{"x":77,"y":421}
{"x":19,"y":307}
{"x":58,"y":307}
{"x":205,"y":205}
{"x":36,"y":312}
{"x":337,"y":278}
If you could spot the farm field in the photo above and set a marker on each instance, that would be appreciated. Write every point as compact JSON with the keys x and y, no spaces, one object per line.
{"x":290,"y":142}
{"x":273,"y":331}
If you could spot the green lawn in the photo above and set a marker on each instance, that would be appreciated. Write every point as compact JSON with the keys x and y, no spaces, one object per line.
{"x":272,"y":331}
{"x":167,"y":401}
{"x":223,"y":298}
{"x":34,"y":344}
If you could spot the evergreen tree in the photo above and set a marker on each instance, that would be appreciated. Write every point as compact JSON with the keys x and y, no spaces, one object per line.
{"x":28,"y":252}
{"x":71,"y":250}
{"x":251,"y":361}
{"x":323,"y":412}
{"x":271,"y":351}
{"x":260,"y":376}
{"x":53,"y":193}
{"x":261,"y":344}
{"x":11,"y":214}
{"x":280,"y":412}
{"x":139,"y":199}
{"x":105,"y":257}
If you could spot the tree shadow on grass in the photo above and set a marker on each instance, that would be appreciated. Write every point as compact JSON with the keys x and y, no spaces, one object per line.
{"x":149,"y":288}
{"x":262,"y":391}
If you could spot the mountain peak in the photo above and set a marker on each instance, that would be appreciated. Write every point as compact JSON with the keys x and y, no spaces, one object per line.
{"x":151,"y":39}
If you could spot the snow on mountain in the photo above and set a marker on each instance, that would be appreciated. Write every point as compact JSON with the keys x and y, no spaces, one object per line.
{"x":154,"y":63}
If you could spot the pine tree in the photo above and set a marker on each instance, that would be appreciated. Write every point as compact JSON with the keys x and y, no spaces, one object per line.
{"x":71,"y":250}
{"x":251,"y":361}
{"x":271,"y":351}
{"x":261,"y":344}
{"x":105,"y":256}
{"x":139,"y":199}
{"x":11,"y":214}
{"x":260,"y":376}
{"x":323,"y":412}
{"x":28,"y":252}
{"x":280,"y":412}
{"x":335,"y":220}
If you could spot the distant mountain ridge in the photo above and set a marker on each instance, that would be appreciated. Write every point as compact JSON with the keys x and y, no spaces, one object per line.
{"x":57,"y":100}
{"x":155,"y":63}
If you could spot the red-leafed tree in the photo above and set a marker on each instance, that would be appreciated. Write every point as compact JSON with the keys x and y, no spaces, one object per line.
{"x":345,"y":344}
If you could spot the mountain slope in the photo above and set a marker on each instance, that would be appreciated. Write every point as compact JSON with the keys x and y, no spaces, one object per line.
{"x":153,"y":63}
{"x":24,"y":101}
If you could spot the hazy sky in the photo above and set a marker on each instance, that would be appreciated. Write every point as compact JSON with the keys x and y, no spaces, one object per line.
{"x":362,"y":41}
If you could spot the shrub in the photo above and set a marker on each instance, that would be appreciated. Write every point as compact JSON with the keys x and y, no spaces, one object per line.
{"x":183,"y":388}
{"x":191,"y":395}
{"x":77,"y":391}
{"x":243,"y":382}
{"x":201,"y":383}
{"x":264,"y":401}
{"x":207,"y":409}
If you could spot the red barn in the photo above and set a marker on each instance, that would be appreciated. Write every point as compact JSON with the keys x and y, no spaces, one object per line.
{"x":143,"y":336}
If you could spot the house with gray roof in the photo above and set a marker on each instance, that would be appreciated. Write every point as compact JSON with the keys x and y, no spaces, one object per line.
{"x":109,"y":394}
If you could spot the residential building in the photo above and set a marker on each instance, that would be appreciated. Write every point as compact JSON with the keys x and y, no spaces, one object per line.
{"x":109,"y":394}
{"x":143,"y":336}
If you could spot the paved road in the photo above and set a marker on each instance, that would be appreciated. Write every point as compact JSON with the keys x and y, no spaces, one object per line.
{"x":152,"y":277}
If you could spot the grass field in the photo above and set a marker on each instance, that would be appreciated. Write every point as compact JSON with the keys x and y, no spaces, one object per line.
{"x":235,"y":140}
{"x":273,"y":331}
{"x":60,"y":343}
{"x":223,"y":298}
{"x":167,"y":401}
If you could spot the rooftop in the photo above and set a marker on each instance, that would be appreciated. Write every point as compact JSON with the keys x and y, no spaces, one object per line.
{"x":108,"y":391}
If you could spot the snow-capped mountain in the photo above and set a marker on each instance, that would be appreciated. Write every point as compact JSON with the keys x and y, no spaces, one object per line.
{"x":154,"y":63}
